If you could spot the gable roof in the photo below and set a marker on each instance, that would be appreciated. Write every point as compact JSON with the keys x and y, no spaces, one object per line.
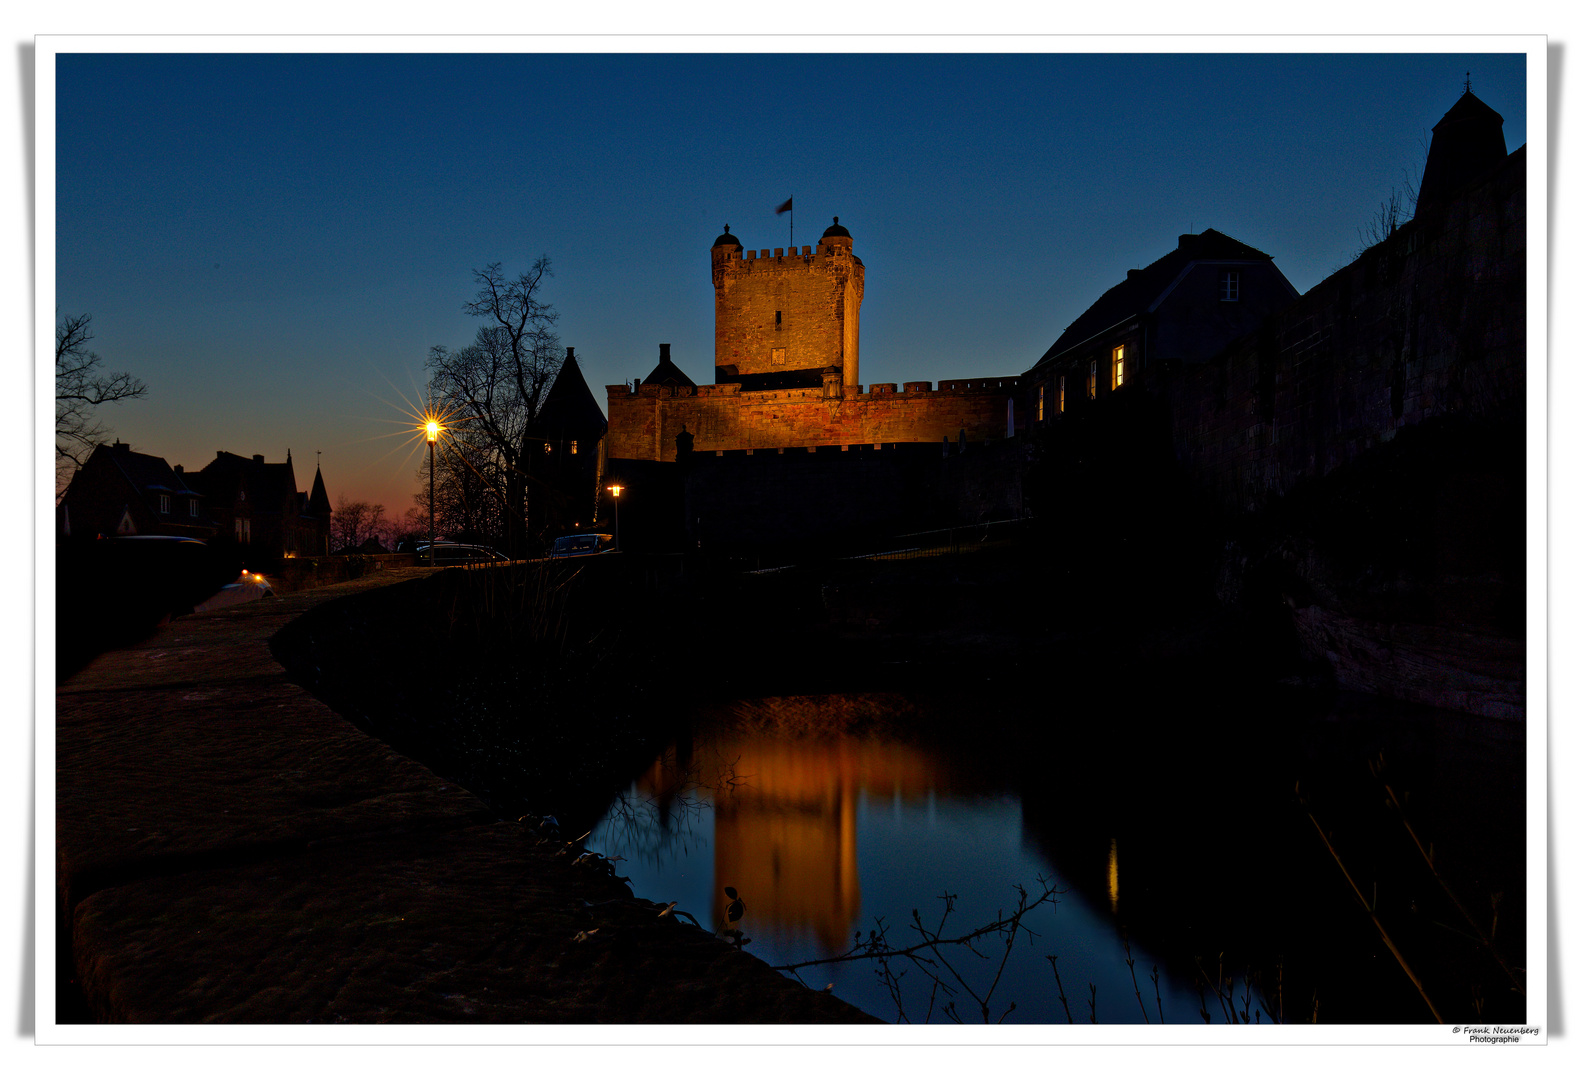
{"x":267,"y":484}
{"x":1144,"y":289}
{"x":570,"y":406}
{"x":145,"y":472}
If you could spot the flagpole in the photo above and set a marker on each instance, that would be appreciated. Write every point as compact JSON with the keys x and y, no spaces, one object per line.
{"x":792,"y":201}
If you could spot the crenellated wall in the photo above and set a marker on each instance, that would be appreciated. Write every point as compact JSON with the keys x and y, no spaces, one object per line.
{"x":779,"y":310}
{"x":644,"y":423}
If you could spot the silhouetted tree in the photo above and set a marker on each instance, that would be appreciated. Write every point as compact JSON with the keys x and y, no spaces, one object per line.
{"x":80,"y":388}
{"x":496,"y":384}
{"x":355,"y":523}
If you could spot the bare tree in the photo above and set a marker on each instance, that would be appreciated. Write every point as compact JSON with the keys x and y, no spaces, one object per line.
{"x":355,"y":523}
{"x":497,"y":383}
{"x":80,"y":388}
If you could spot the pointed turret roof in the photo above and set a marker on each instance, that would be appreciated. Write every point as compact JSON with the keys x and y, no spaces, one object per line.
{"x":570,"y":406}
{"x":318,"y":499}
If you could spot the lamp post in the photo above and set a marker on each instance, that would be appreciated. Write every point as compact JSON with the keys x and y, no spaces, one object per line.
{"x":431,"y":429}
{"x":615,"y":495}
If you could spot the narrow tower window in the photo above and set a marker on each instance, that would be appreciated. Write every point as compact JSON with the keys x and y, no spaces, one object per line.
{"x":777,"y":320}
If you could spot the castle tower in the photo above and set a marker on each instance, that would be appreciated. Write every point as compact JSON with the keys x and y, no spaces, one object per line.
{"x":1468,"y":141}
{"x":782,"y":318}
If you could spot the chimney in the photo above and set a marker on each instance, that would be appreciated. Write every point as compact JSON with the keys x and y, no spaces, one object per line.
{"x":1184,"y":239}
{"x":179,"y":470}
{"x":119,"y":445}
{"x":571,"y":355}
{"x":664,"y":353}
{"x":1132,"y":273}
{"x":258,"y":459}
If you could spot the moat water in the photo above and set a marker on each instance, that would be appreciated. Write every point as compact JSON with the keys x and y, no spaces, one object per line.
{"x":830,"y":821}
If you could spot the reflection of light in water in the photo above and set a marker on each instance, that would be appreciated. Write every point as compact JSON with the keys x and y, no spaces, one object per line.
{"x":1115,"y":880}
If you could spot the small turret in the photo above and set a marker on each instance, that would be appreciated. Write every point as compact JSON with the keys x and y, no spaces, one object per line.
{"x":836,"y":239}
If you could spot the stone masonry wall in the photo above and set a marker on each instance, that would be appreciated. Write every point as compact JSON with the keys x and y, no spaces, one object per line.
{"x":1430,"y":322}
{"x":644,"y":423}
{"x":818,"y":295}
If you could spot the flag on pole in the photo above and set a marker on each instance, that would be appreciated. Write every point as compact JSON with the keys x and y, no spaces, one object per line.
{"x":783,"y":207}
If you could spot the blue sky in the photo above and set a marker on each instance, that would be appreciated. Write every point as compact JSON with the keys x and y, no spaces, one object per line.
{"x":272,"y":242}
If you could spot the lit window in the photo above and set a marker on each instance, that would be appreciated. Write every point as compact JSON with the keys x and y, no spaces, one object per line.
{"x":548,"y":449}
{"x":1229,"y":285}
{"x":1060,"y":394}
{"x":573,"y":446}
{"x":1040,"y":403}
{"x":1117,"y":366}
{"x":777,"y":357}
{"x":1093,"y":378}
{"x":164,"y":504}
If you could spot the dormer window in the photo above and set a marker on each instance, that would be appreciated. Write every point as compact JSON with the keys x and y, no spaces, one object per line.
{"x":1229,"y":285}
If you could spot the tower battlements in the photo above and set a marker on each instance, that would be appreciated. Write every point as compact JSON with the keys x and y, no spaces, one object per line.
{"x":786,"y":315}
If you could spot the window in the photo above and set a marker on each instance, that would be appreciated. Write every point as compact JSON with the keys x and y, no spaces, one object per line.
{"x":1117,"y":367}
{"x":244,"y":530}
{"x":548,"y":448}
{"x":1229,"y":285}
{"x":573,"y":446}
{"x":1040,"y":404}
{"x":1060,"y":394}
{"x":777,"y":320}
{"x":192,"y":507}
{"x":777,"y":356}
{"x":1093,"y":378}
{"x":164,"y":504}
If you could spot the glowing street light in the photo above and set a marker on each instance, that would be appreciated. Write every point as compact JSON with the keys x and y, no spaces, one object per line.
{"x":431,"y":431}
{"x":615,"y":494}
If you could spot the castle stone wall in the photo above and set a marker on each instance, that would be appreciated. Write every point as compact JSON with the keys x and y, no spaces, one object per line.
{"x":818,"y":295}
{"x":644,"y":423}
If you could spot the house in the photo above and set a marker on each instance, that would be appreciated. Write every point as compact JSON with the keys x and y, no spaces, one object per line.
{"x":258,"y":505}
{"x":119,"y":492}
{"x":1181,"y":309}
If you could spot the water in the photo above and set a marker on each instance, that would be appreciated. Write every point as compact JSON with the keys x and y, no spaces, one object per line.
{"x":831,"y":825}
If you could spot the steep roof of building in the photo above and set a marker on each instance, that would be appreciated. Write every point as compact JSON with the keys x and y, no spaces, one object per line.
{"x":666,"y":373}
{"x":266,"y":483}
{"x":1469,"y":140}
{"x":146,"y":472}
{"x":570,"y":405}
{"x":1143,"y":288}
{"x":319,"y":499}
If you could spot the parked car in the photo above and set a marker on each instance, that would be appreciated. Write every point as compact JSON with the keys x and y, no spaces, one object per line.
{"x":448,"y":554}
{"x":567,"y":547}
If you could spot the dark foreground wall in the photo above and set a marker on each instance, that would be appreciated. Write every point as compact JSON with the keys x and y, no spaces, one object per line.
{"x":1431,"y":322}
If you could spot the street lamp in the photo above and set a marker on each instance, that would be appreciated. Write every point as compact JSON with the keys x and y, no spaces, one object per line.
{"x":615,"y":494}
{"x":431,"y":430}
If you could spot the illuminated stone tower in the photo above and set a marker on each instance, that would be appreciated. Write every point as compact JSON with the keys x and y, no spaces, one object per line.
{"x":785,"y":319}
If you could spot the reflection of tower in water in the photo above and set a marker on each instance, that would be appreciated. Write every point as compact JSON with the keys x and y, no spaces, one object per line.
{"x":785,"y":790}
